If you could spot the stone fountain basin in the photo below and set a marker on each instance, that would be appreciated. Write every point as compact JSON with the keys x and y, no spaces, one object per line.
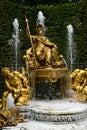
{"x":62,"y":110}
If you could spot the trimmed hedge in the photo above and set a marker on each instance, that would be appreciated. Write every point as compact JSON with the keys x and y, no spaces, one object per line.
{"x":57,"y":18}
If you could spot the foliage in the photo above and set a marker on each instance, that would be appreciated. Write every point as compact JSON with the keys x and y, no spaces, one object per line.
{"x":57,"y":18}
{"x":41,"y":2}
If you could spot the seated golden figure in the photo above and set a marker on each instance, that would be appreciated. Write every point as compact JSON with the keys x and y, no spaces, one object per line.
{"x":17,"y":84}
{"x":43,"y":53}
{"x":43,"y":63}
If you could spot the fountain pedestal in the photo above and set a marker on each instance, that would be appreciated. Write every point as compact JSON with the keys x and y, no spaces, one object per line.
{"x":56,"y":111}
{"x":50,"y":83}
{"x":62,"y":113}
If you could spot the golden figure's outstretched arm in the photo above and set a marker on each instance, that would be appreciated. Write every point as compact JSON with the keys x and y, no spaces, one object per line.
{"x":46,"y":42}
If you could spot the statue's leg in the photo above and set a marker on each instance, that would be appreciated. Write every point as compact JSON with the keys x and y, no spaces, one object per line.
{"x":54,"y":54}
{"x":48,"y":56}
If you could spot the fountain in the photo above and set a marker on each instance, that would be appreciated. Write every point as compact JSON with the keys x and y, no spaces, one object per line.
{"x":50,"y":81}
{"x":71,"y":54}
{"x":46,"y":67}
{"x":50,"y":98}
{"x":15,"y":41}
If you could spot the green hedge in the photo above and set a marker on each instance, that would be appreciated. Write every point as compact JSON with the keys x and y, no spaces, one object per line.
{"x":57,"y":18}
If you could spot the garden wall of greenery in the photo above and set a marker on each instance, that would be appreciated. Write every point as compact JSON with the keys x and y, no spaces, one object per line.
{"x":57,"y":18}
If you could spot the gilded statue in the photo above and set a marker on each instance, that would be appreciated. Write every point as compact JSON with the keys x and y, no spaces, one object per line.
{"x":79,"y":80}
{"x":17,"y":84}
{"x":10,"y":117}
{"x":43,"y":52}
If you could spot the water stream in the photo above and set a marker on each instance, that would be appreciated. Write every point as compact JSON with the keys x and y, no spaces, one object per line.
{"x":70,"y":46}
{"x":15,"y":41}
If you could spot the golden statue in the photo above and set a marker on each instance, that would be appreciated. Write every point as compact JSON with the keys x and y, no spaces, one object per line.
{"x":79,"y":81}
{"x":43,"y":52}
{"x":10,"y":117}
{"x":17,"y":84}
{"x":42,"y":60}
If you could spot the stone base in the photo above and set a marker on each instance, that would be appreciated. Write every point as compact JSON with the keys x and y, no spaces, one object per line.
{"x":50,"y":83}
{"x":11,"y":128}
{"x":63,"y":112}
{"x":54,"y":111}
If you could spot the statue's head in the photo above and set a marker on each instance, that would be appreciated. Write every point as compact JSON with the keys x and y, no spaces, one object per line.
{"x":5,"y":70}
{"x":76,"y":70}
{"x":40,"y":29}
{"x":39,"y":26}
